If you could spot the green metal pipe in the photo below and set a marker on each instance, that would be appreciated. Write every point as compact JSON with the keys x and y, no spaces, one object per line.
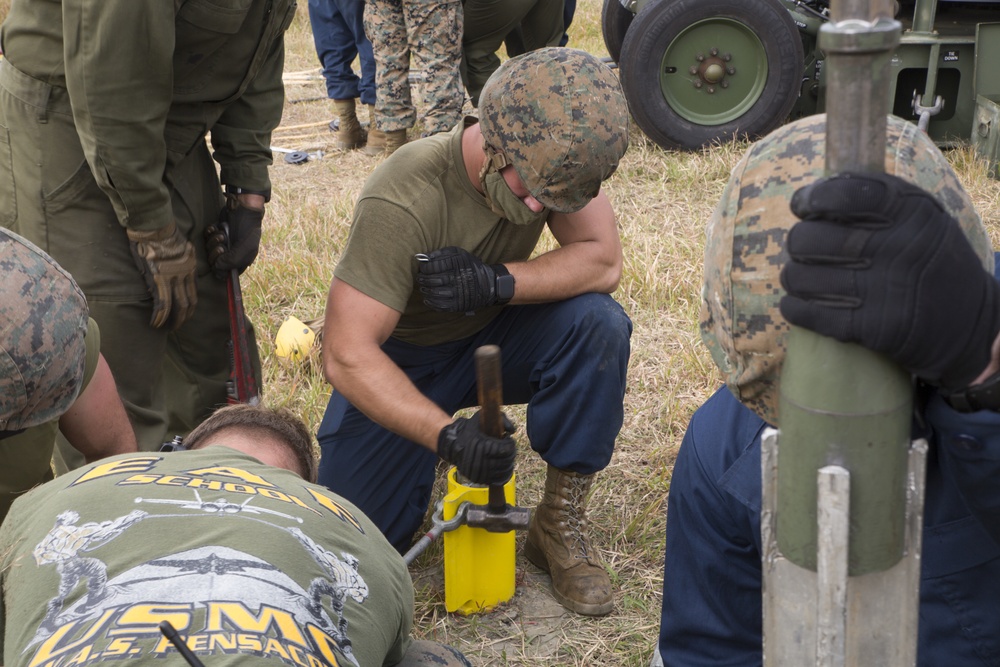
{"x":923,"y":16}
{"x":927,"y":98}
{"x":840,"y":403}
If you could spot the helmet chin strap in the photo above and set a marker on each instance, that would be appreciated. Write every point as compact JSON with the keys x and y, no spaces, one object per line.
{"x":494,"y":158}
{"x":495,"y":161}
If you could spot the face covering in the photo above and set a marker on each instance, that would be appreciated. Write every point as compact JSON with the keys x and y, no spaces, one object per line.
{"x":499,"y":197}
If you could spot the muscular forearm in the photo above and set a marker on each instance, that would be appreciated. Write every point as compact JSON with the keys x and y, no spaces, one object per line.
{"x":96,"y":424}
{"x":565,"y":272}
{"x":378,"y":388}
{"x":588,"y":259}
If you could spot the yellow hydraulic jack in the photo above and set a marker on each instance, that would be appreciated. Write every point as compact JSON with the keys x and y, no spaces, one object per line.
{"x":478,"y":522}
{"x":478,"y":564}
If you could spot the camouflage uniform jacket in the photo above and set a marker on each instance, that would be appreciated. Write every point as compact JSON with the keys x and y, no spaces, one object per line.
{"x":148,"y":80}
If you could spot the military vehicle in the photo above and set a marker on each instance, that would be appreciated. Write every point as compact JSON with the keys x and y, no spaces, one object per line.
{"x":696,"y":72}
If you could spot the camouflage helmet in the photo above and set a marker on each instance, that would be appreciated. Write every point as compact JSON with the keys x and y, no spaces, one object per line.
{"x":43,"y":321}
{"x":559,"y":117}
{"x":745,"y":246}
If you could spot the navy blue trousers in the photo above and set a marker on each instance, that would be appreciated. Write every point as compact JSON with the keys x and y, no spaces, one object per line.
{"x":569,"y":9}
{"x":339,"y":34}
{"x":566,"y":360}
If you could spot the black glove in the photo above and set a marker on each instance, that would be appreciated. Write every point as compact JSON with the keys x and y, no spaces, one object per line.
{"x":479,"y":458}
{"x":454,"y":280}
{"x":877,"y":261}
{"x":240,"y":249}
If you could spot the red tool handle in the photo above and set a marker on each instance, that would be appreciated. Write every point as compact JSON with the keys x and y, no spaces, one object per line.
{"x":490,"y":389}
{"x":242,"y":385}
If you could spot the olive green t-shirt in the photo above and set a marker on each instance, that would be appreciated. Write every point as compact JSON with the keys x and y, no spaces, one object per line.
{"x":417,"y":201}
{"x":248,"y":562}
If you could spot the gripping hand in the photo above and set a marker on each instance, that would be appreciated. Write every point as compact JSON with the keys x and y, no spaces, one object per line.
{"x":240,"y":250}
{"x":167,"y":262}
{"x":479,"y":458}
{"x":877,"y":261}
{"x":454,"y":280}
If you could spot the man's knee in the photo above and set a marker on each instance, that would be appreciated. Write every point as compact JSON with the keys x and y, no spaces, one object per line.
{"x":601,"y":317}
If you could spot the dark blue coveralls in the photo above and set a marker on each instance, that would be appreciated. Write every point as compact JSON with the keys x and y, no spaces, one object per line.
{"x":712,"y":579}
{"x":567,"y":360}
{"x":339,"y":34}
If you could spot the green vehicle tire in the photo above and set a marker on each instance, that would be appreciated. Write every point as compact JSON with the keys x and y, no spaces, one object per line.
{"x":697,"y":72}
{"x":615,"y":20}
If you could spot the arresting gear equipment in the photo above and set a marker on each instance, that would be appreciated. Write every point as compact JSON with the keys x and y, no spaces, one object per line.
{"x":478,"y":521}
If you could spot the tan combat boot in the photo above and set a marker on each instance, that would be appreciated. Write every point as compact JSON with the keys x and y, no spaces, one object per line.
{"x":558,"y":543}
{"x":349,"y":134}
{"x":379,"y":142}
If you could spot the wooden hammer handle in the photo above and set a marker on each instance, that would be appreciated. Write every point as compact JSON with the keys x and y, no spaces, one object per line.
{"x":490,"y":389}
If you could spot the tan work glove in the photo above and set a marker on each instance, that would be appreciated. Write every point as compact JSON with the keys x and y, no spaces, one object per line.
{"x":167,"y":263}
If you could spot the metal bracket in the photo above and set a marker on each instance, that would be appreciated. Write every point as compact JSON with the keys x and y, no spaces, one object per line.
{"x":925,"y":113}
{"x":824,"y":617}
{"x":439,"y":526}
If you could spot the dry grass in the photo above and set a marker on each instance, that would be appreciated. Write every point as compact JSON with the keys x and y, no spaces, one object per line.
{"x":662,"y":200}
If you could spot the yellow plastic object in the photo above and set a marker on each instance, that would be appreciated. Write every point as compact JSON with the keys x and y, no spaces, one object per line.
{"x":294,"y":339}
{"x":478,"y":564}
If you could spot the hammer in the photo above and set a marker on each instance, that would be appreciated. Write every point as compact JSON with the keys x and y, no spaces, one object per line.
{"x":497,"y":516}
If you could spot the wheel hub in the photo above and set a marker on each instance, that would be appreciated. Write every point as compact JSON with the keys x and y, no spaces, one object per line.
{"x":712,"y":70}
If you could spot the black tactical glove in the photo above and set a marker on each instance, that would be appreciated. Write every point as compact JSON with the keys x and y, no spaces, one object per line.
{"x":479,"y":458}
{"x":167,"y":262}
{"x":454,"y":280}
{"x":240,"y":250}
{"x":877,"y":261}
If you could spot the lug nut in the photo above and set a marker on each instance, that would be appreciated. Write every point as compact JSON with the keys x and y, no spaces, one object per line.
{"x":693,"y":70}
{"x":724,"y":84}
{"x":700,"y":58}
{"x":697,"y":84}
{"x":727,"y":57}
{"x":710,"y":89}
{"x":714,"y":51}
{"x":730,"y":70}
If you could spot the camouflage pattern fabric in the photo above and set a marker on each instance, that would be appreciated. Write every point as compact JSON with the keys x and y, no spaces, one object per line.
{"x":745,"y":246}
{"x":43,"y":322}
{"x":431,"y":32}
{"x":559,"y":117}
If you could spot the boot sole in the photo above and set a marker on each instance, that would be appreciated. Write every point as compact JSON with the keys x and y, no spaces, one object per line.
{"x":537,"y":558}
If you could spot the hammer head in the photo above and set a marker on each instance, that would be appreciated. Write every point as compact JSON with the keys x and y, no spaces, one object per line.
{"x":503,"y":520}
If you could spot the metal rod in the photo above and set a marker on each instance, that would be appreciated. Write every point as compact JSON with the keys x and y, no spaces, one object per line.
{"x":834,"y":491}
{"x":168,"y":631}
{"x":842,"y":404}
{"x":490,"y":389}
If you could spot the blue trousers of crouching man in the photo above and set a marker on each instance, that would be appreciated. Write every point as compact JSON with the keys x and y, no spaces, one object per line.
{"x":566,"y":360}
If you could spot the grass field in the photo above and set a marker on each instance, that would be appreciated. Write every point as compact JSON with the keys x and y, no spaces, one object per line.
{"x":662,"y":200}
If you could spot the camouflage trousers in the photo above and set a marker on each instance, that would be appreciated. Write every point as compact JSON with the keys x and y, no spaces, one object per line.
{"x":431,"y":32}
